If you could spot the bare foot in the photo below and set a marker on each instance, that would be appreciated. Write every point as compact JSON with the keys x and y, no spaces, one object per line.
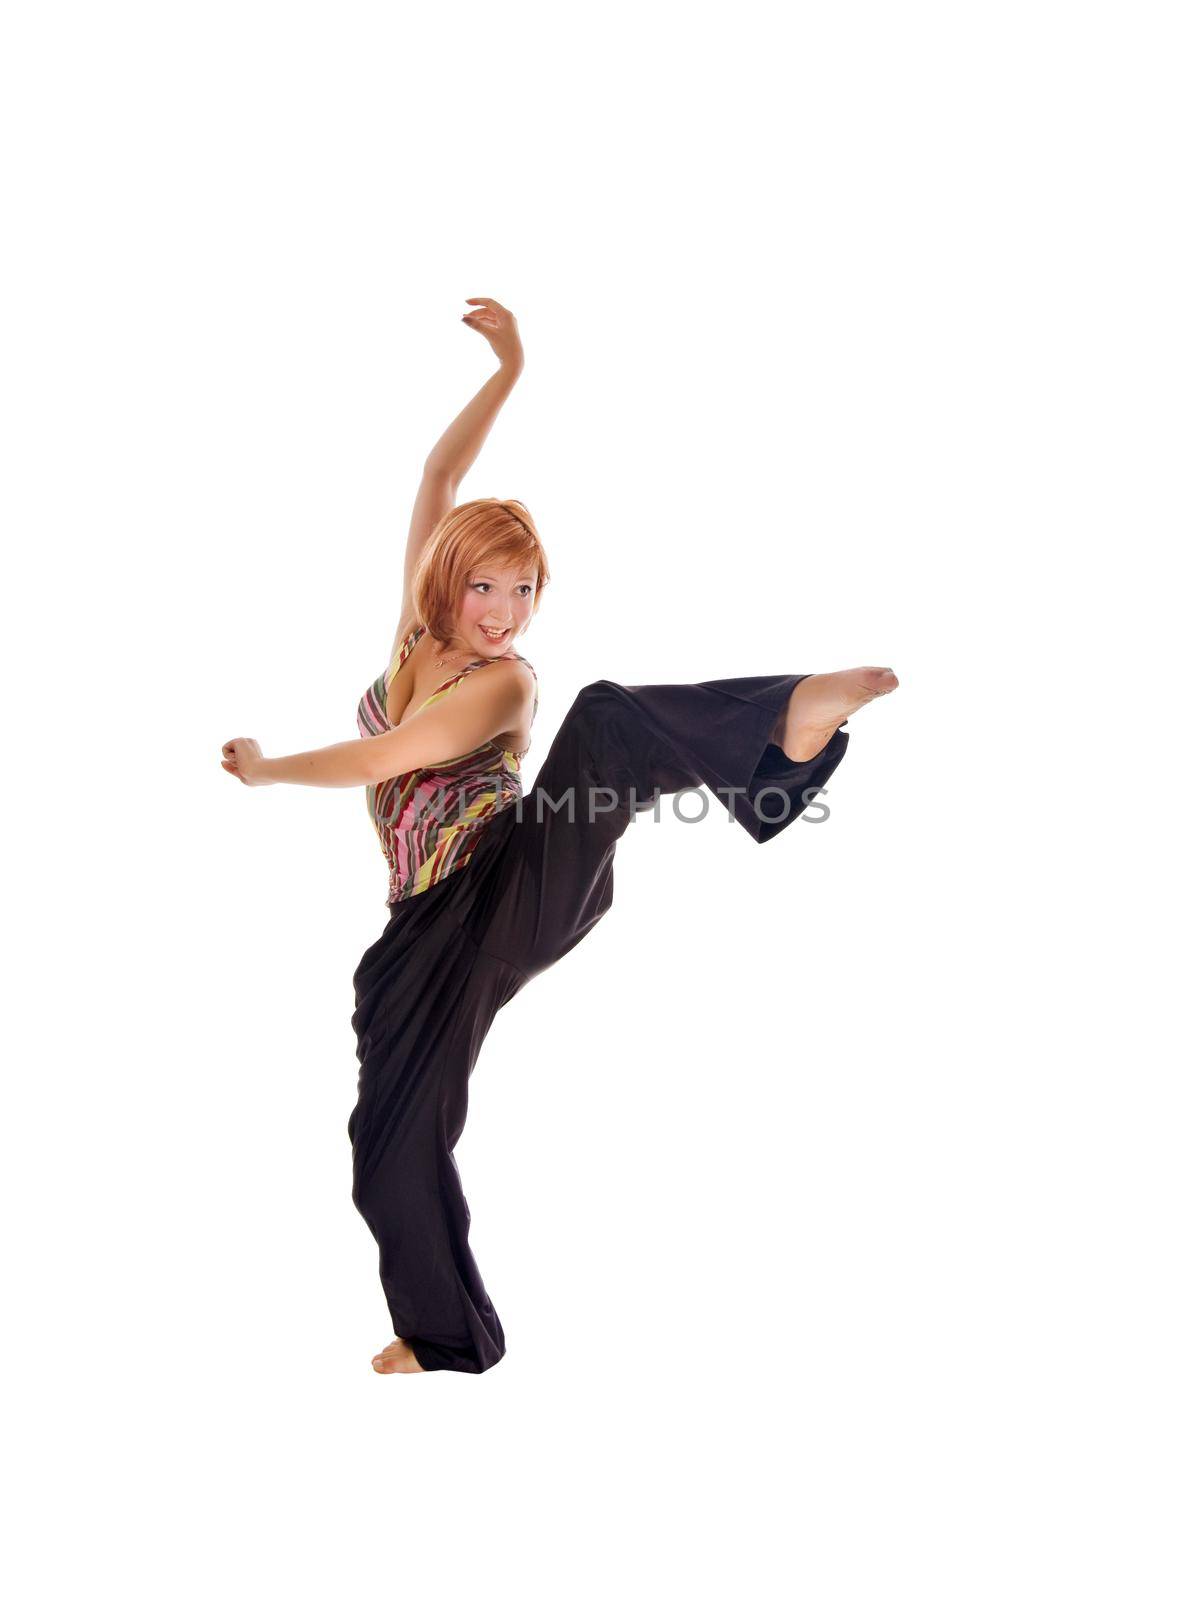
{"x":397,"y":1357}
{"x":822,"y":702}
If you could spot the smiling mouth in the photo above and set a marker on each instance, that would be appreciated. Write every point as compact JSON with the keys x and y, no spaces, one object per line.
{"x":495,"y":634}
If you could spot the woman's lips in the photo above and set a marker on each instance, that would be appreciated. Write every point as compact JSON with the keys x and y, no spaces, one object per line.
{"x":493,"y":637}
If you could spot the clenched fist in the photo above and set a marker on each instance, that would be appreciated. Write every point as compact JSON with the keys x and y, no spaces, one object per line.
{"x":242,"y":758}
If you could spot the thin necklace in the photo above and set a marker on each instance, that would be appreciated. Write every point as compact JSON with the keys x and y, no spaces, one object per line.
{"x":440,"y":660}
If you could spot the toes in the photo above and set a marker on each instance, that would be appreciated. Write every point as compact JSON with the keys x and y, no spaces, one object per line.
{"x":396,"y":1357}
{"x":880,"y":680}
{"x":385,"y":1359}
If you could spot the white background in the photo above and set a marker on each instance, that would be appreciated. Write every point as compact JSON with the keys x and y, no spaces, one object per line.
{"x":833,"y":1193}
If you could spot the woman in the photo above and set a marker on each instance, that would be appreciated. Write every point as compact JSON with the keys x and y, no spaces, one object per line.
{"x":488,"y":888}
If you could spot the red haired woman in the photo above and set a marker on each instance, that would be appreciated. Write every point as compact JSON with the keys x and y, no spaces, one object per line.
{"x":488,"y":886}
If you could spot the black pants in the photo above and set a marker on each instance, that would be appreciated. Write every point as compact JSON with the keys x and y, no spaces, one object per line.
{"x":450,"y":957}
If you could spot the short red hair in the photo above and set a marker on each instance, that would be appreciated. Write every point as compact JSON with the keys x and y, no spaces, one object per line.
{"x":472,"y":535}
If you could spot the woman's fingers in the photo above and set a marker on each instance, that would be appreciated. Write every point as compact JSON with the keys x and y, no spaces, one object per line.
{"x":497,"y":324}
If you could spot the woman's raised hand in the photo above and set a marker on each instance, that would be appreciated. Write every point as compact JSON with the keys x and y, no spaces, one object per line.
{"x":499,"y":327}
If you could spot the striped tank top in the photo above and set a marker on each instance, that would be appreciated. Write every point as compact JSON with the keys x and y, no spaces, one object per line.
{"x":429,"y":821}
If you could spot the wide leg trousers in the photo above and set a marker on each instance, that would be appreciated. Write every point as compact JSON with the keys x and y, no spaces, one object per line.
{"x":450,"y":957}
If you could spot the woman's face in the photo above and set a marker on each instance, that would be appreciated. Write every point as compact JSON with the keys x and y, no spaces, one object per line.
{"x":497,"y":605}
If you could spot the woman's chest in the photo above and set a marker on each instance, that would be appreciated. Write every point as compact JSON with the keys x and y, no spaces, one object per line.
{"x":406,"y":696}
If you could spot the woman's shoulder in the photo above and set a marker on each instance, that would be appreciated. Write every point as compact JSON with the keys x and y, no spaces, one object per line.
{"x":533,"y":680}
{"x":518,"y":667}
{"x":515,"y":664}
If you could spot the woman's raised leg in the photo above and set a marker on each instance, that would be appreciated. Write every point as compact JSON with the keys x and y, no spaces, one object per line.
{"x":621,"y":747}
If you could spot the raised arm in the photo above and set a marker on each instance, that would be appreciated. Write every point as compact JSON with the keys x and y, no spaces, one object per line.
{"x":480,"y":707}
{"x":453,"y":455}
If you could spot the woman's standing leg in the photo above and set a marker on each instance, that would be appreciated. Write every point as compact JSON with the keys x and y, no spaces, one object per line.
{"x":425,"y":1001}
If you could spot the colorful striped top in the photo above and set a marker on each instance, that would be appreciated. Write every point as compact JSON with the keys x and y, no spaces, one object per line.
{"x":429,"y":821}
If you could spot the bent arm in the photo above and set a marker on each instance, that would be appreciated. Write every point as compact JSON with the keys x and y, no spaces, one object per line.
{"x":483,"y":705}
{"x":447,"y":464}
